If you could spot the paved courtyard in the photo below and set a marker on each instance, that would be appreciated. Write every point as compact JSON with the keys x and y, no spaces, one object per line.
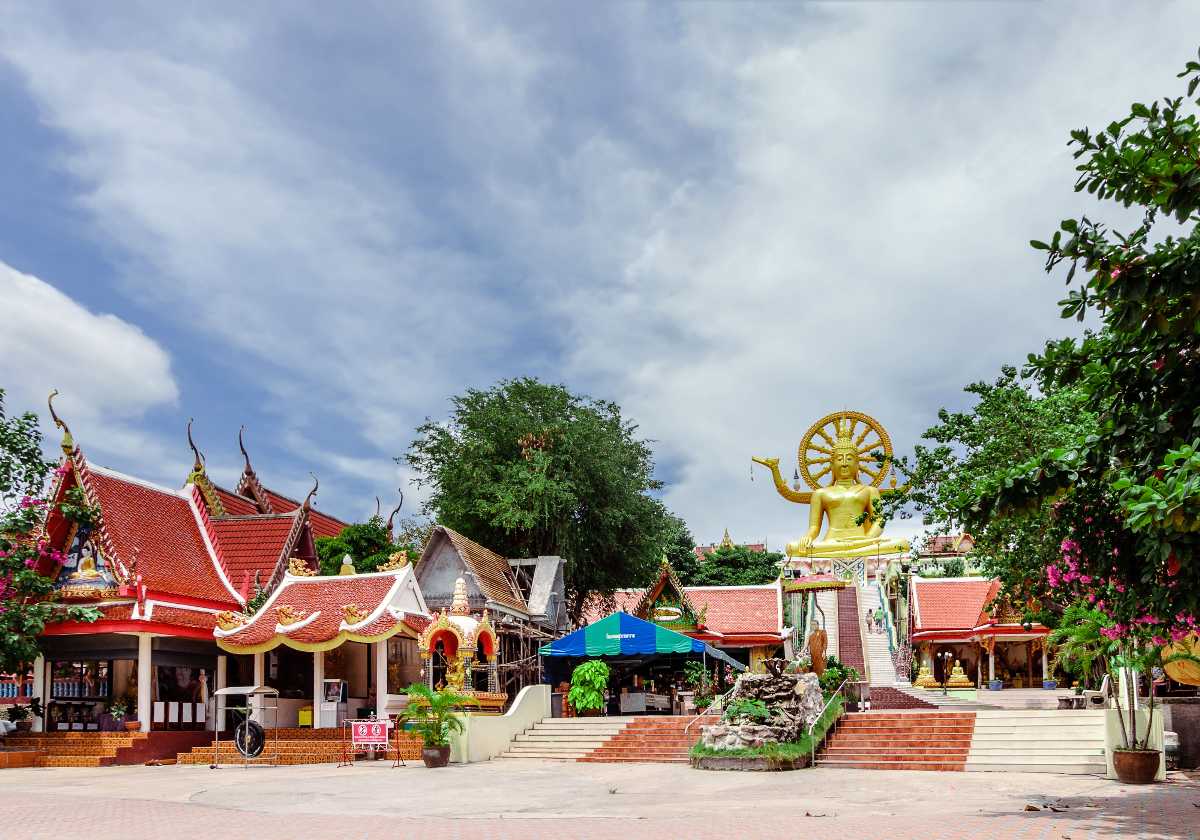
{"x":533,"y":799}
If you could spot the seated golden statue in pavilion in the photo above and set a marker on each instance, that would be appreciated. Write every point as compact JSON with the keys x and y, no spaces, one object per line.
{"x":836,"y":446}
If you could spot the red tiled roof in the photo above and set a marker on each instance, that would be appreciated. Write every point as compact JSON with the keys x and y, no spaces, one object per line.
{"x":319,"y":603}
{"x":948,"y":544}
{"x":160,"y":530}
{"x":952,"y":604}
{"x":234,"y":504}
{"x":754,"y":610}
{"x":183,"y":618}
{"x":253,"y":544}
{"x":322,"y":524}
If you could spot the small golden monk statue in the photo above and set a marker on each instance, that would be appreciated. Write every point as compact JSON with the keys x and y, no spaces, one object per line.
{"x":834,"y":446}
{"x":818,"y":643}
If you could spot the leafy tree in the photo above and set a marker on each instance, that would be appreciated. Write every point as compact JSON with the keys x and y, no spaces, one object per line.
{"x":735,"y":566}
{"x":368,"y":544}
{"x":1127,"y":493}
{"x":679,"y":546}
{"x":527,"y":468}
{"x":23,"y":470}
{"x":1008,"y":421}
{"x":26,"y":605}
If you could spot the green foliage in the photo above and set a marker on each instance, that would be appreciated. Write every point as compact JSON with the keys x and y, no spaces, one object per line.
{"x":679,"y":547}
{"x":434,"y":714}
{"x":953,"y":567}
{"x":746,"y":709}
{"x":23,"y":470}
{"x":1081,"y":646}
{"x":367,"y":543}
{"x":698,"y":678}
{"x":589,"y":681}
{"x":1114,"y":490}
{"x":1008,"y":420}
{"x":530,"y":469}
{"x":835,"y":674}
{"x":255,"y":602}
{"x":25,"y":593}
{"x":736,"y":566}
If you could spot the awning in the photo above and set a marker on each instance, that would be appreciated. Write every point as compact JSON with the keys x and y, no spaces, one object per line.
{"x":622,"y":634}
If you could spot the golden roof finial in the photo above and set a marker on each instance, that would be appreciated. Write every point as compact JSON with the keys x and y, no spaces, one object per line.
{"x":242,"y":447}
{"x":308,"y":499}
{"x":460,"y":606}
{"x":198,"y":466}
{"x":726,"y":541}
{"x":68,"y":443}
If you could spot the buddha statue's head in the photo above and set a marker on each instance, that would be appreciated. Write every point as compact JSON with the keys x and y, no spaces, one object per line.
{"x":845,"y":458}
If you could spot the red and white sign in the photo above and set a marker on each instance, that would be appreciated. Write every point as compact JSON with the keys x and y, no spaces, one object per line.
{"x":369,"y":734}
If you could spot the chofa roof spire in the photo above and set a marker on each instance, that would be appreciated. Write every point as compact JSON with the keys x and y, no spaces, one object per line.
{"x":242,"y":447}
{"x":198,"y":465}
{"x":199,"y":477}
{"x":308,"y":499}
{"x":392,"y":516}
{"x":68,"y":443}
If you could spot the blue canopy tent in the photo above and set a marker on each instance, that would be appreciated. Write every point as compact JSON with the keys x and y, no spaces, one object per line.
{"x":625,"y":635}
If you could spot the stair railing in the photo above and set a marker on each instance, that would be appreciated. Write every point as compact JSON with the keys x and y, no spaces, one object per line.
{"x":721,"y":699}
{"x":811,"y":743}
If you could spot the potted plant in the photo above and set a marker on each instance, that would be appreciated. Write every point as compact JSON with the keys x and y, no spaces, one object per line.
{"x":434,"y":716}
{"x":20,"y":715}
{"x":589,"y":681}
{"x":995,"y":685}
{"x":119,"y":708}
{"x":1049,"y":685}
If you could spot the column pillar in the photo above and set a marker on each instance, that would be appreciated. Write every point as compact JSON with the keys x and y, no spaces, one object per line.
{"x":1045,"y":663}
{"x":381,"y":678}
{"x":260,"y":678}
{"x":318,"y":686}
{"x":222,"y":682}
{"x":145,"y":682}
{"x":992,"y":663}
{"x":39,"y":690}
{"x":979,"y":669}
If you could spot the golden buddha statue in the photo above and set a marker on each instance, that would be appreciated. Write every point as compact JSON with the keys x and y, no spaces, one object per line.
{"x":833,"y":445}
{"x":958,"y":678}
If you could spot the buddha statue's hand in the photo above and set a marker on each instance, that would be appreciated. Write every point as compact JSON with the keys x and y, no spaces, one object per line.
{"x":804,"y":543}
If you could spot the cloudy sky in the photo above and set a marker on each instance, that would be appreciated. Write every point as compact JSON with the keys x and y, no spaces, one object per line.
{"x":322,"y":220}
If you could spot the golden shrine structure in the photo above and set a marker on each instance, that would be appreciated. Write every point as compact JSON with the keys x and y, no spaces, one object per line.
{"x":459,"y":651}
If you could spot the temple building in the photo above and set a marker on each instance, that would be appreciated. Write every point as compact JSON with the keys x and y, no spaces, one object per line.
{"x":702,"y":551}
{"x":960,"y":616}
{"x":172,"y":572}
{"x":745,"y":622}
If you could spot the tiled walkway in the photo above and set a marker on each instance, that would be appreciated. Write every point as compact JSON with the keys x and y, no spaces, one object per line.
{"x":526,"y":800}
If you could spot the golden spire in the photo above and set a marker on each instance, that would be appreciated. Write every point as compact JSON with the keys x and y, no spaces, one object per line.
{"x":68,"y":443}
{"x":726,"y":541}
{"x":459,"y":605}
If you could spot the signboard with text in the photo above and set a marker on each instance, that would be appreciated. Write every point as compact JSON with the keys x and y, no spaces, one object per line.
{"x":369,"y":734}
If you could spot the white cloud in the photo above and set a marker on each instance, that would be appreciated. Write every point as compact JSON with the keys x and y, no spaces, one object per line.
{"x":729,"y":219}
{"x":108,"y":372}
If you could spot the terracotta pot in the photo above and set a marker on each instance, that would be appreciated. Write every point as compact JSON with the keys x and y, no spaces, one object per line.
{"x":436,"y":756}
{"x":587,"y":713}
{"x":132,"y":726}
{"x":1136,"y":767}
{"x":24,"y":726}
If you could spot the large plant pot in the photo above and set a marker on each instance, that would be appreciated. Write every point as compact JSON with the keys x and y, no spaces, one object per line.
{"x":587,"y":713}
{"x":24,"y":726}
{"x":132,"y":726}
{"x":995,"y":685}
{"x":436,"y":756}
{"x":1049,"y":685}
{"x":1136,"y":767}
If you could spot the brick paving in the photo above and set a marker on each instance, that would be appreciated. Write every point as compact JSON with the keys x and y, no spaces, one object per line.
{"x":374,"y":803}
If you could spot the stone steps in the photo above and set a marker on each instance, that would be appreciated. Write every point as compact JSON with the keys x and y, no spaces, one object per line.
{"x":900,"y":741}
{"x":1039,"y":741}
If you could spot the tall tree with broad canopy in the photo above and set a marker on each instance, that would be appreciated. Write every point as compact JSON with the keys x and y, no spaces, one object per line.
{"x":26,"y":605}
{"x":1127,"y":493}
{"x":1008,"y":421}
{"x":735,"y":566}
{"x":527,"y":469}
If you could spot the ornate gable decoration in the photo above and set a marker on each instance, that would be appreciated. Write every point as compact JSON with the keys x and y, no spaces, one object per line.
{"x":354,"y":614}
{"x":199,"y":477}
{"x":298,"y":568}
{"x":227,"y":620}
{"x":666,"y":603}
{"x":288,"y":614}
{"x":395,"y":562}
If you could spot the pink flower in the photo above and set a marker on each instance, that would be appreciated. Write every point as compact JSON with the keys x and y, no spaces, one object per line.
{"x":1085,"y":579}
{"x":1158,"y":640}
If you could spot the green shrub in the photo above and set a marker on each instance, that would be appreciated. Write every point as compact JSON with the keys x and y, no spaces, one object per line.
{"x":745,"y":708}
{"x":589,"y":681}
{"x":434,"y":714}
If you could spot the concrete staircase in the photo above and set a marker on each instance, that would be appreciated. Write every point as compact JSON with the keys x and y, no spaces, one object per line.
{"x":900,"y":741}
{"x":652,"y":739}
{"x":1038,"y":741}
{"x":879,"y":654}
{"x":565,"y":739}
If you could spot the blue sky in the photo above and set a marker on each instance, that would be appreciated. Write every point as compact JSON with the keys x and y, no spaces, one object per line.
{"x":729,"y":218}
